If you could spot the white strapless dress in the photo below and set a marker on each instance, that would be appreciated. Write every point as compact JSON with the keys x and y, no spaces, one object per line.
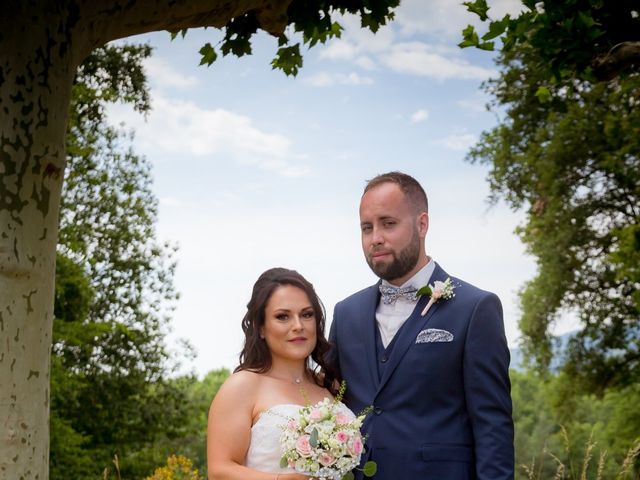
{"x":264,"y":450}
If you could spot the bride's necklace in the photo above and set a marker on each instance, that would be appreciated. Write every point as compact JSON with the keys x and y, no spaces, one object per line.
{"x":296,"y":380}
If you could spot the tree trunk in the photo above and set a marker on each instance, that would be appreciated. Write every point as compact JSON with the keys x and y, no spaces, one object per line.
{"x":36,"y":73}
{"x":41,"y":44}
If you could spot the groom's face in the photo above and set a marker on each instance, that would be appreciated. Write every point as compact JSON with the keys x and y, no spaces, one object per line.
{"x":392,"y":233}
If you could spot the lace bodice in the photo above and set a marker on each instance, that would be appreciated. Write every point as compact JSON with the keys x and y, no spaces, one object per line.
{"x":264,"y":450}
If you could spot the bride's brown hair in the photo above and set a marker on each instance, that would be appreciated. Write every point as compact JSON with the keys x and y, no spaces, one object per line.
{"x":256,"y":356}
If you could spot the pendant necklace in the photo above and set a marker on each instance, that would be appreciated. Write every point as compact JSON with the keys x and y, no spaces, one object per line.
{"x":296,"y":380}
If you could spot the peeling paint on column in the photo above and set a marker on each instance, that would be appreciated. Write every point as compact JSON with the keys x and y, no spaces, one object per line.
{"x":17,"y":337}
{"x":33,"y":373}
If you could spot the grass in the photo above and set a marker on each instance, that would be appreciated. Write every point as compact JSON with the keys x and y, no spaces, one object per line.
{"x":534,"y":471}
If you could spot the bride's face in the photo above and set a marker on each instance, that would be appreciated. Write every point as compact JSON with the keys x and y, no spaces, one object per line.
{"x":289,"y":324}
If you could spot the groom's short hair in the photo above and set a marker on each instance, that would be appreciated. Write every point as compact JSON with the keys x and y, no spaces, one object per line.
{"x":412,"y":190}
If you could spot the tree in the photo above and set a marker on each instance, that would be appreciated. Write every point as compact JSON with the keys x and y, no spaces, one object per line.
{"x":588,"y":39}
{"x":200,"y":395}
{"x":579,"y":437}
{"x":113,"y":283}
{"x":41,"y":45}
{"x":568,"y":153}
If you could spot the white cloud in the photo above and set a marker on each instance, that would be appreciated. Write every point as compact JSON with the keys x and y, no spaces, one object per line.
{"x":183,"y":128}
{"x":324,"y":79}
{"x":441,"y":59}
{"x":442,"y":17}
{"x":419,"y":116}
{"x":356,"y":41}
{"x":446,"y":18}
{"x":365,"y":62}
{"x":418,"y":58}
{"x":339,"y":50}
{"x":458,"y":142}
{"x":164,"y":75}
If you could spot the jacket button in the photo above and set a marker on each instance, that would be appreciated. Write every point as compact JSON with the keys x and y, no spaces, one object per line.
{"x":383,"y":359}
{"x":377,"y":410}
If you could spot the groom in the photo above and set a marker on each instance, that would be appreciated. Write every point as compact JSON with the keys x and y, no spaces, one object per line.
{"x":438,"y":381}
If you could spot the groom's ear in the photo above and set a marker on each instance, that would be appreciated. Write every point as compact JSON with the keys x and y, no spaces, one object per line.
{"x":423,"y":224}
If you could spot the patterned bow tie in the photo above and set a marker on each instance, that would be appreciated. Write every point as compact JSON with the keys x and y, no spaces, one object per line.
{"x":390,"y":293}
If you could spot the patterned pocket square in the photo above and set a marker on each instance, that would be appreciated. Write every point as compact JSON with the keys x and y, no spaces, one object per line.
{"x":433,"y":335}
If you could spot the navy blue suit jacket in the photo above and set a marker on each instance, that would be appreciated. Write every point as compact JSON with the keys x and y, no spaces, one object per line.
{"x":442,"y":410}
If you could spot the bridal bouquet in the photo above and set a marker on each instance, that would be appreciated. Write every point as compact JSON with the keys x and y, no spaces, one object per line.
{"x":324,"y":442}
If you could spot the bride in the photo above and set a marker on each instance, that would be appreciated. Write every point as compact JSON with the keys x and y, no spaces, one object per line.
{"x":284,"y":331}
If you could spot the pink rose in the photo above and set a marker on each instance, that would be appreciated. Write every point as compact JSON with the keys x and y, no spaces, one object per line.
{"x":315,"y":414}
{"x":303,"y":447}
{"x":355,"y":448}
{"x":326,"y":459}
{"x":341,"y":418}
{"x":342,"y":437}
{"x":292,"y":424}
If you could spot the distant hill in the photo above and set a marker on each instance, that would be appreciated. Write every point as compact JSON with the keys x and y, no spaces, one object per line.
{"x":517,"y":357}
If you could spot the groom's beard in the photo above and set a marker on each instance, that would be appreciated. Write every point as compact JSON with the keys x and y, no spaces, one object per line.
{"x":403,"y":261}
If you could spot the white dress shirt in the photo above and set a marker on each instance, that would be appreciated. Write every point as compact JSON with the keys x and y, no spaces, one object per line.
{"x":391,"y":317}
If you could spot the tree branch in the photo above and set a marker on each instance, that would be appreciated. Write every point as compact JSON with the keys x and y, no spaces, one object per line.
{"x":107,"y":20}
{"x":611,"y":64}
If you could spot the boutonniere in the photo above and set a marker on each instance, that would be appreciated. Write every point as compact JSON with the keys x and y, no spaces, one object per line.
{"x":436,"y":291}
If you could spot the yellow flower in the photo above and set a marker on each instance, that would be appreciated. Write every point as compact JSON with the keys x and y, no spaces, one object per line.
{"x":177,"y":468}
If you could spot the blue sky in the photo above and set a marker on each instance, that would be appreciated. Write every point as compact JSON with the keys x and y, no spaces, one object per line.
{"x":254,"y":169}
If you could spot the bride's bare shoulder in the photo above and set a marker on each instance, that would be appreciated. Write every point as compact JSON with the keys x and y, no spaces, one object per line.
{"x":242,"y":383}
{"x":238,"y":393}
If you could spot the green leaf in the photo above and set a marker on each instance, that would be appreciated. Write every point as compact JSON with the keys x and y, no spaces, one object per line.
{"x":479,"y":7}
{"x":370,"y":468}
{"x":496,"y":28}
{"x":489,"y":46}
{"x":175,"y":33}
{"x":424,"y":291}
{"x":368,"y":21}
{"x":284,"y":463}
{"x":543,"y":94}
{"x":288,"y":59}
{"x":313,"y":438}
{"x":209,"y":55}
{"x":238,"y":46}
{"x":586,"y":19}
{"x":348,"y":476}
{"x":336,"y":30}
{"x":470,"y":37}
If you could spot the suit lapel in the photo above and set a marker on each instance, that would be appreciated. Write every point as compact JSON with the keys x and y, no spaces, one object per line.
{"x":409,"y":331}
{"x":369,"y":332}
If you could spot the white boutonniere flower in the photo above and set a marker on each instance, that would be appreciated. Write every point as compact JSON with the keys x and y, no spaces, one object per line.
{"x":437,"y":291}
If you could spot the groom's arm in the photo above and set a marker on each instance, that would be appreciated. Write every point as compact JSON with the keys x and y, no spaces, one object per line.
{"x":488,"y":391}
